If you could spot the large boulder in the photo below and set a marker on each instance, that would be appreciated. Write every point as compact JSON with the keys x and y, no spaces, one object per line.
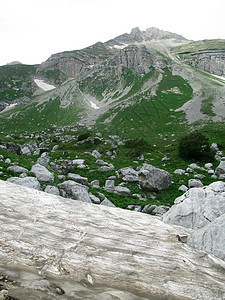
{"x":42,"y":173}
{"x":210,"y":238}
{"x":75,"y":190}
{"x":153,"y":179}
{"x":198,"y":206}
{"x":28,"y":181}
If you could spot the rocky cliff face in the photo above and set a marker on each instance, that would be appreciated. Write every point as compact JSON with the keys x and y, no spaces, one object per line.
{"x":212,"y":61}
{"x":125,"y":51}
{"x":54,"y":246}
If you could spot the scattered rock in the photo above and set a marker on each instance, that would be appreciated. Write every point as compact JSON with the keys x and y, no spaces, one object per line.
{"x":128,"y":174}
{"x":42,"y":173}
{"x":96,"y":154}
{"x":179,"y":171}
{"x":94,"y":198}
{"x":183,"y":188}
{"x":17,"y":169}
{"x":44,"y":159}
{"x":95,"y":183}
{"x":52,"y":190}
{"x":122,"y":190}
{"x":106,"y":168}
{"x":75,"y":190}
{"x":221,"y":168}
{"x":109,"y":185}
{"x":193,"y":183}
{"x":107,"y":202}
{"x":78,"y":178}
{"x":154,"y":179}
{"x":30,"y":182}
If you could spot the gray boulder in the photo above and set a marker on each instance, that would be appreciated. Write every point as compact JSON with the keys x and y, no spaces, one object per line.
{"x":44,"y":159}
{"x":42,"y":173}
{"x":109,"y":185}
{"x":107,"y":202}
{"x":210,"y":238}
{"x":75,"y":190}
{"x":96,"y":154}
{"x":122,"y":190}
{"x":160,"y":210}
{"x":193,"y":183}
{"x":94,"y":198}
{"x":95,"y":183}
{"x":25,"y":150}
{"x":153,"y":179}
{"x":78,"y":178}
{"x":198,"y":206}
{"x":221,"y":168}
{"x":17,"y":169}
{"x":52,"y":190}
{"x":106,"y":168}
{"x":30,"y":182}
{"x":128,"y":174}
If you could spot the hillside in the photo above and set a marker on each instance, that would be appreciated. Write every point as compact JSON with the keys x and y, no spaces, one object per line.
{"x":130,"y":99}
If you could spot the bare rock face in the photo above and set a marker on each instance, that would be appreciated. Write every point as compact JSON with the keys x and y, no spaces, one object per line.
{"x":210,"y":238}
{"x":51,"y":245}
{"x":198,"y":207}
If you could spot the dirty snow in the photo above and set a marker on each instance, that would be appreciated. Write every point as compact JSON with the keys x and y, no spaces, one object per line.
{"x":94,"y":105}
{"x":43,"y":85}
{"x":9,"y":107}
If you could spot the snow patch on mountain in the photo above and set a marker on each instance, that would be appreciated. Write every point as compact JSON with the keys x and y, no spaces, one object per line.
{"x":43,"y":85}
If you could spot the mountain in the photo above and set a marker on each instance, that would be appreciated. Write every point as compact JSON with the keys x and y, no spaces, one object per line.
{"x":115,"y":105}
{"x":150,"y":74}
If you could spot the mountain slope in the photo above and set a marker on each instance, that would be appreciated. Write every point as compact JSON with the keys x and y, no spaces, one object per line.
{"x":129,"y":85}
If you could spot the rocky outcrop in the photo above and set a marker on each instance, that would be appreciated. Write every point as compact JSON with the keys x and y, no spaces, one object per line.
{"x":28,"y":181}
{"x":198,"y":207}
{"x":86,"y":251}
{"x":212,"y":61}
{"x":75,"y":190}
{"x":210,"y":238}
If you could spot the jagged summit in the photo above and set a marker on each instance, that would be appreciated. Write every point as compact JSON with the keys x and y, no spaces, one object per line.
{"x":150,"y":34}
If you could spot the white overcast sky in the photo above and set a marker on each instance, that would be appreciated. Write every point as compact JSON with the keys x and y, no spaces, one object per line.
{"x":32,"y":30}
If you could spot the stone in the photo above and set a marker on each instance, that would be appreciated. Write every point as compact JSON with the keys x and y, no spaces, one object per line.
{"x":122,"y":190}
{"x":179,"y":171}
{"x":106,"y":168}
{"x":107,"y":202}
{"x":210,"y":238}
{"x":183,"y":188}
{"x":128,"y":174}
{"x":8,"y":161}
{"x":95,"y":183}
{"x":148,"y":209}
{"x":96,"y":154}
{"x":192,"y":183}
{"x":154,"y":179}
{"x":52,"y":190}
{"x":78,"y":162}
{"x":198,"y":206}
{"x":101,"y":162}
{"x":13,"y":147}
{"x":42,"y":173}
{"x":160,"y":210}
{"x":78,"y":178}
{"x":25,"y":151}
{"x":94,"y":198}
{"x":208,"y":165}
{"x":109,"y":185}
{"x":199,"y":176}
{"x":214,"y":147}
{"x":44,"y":159}
{"x":98,"y":252}
{"x":75,"y":190}
{"x":221,"y":168}
{"x":30,"y":182}
{"x":17,"y":169}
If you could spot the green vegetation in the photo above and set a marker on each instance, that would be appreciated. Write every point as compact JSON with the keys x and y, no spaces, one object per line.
{"x":195,"y":146}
